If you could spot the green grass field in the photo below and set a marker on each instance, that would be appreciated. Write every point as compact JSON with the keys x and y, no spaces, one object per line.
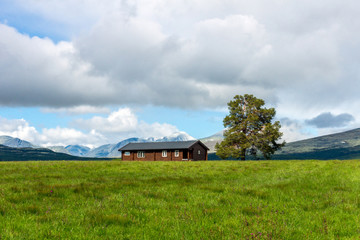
{"x":180,"y":200}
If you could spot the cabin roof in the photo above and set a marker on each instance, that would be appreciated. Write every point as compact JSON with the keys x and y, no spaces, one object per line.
{"x":161,"y":145}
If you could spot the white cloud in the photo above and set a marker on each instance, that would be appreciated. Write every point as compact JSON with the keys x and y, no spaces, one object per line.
{"x":301,"y":56}
{"x":154,"y":52}
{"x":294,"y":130}
{"x":123,"y":120}
{"x":67,"y":136}
{"x":17,"y":128}
{"x":125,"y":123}
{"x":20,"y":128}
{"x":37,"y":71}
{"x":117,"y":126}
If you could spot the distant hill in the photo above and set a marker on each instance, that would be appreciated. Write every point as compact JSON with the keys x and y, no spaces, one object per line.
{"x":211,"y":141}
{"x":343,"y":145}
{"x":328,"y":142}
{"x":77,"y":150}
{"x":32,"y":154}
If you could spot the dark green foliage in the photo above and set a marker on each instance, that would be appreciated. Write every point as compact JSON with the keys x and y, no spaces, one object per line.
{"x":31,"y":154}
{"x":324,"y":154}
{"x":249,"y":129}
{"x":327,"y":154}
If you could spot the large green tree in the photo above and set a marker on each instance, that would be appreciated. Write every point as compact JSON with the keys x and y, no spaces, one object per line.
{"x":249,"y":129}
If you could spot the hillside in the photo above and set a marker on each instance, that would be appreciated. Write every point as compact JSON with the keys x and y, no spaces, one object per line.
{"x":341,"y":140}
{"x":29,"y":154}
{"x":344,"y":145}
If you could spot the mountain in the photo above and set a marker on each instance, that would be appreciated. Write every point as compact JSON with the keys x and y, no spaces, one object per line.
{"x":332,"y":141}
{"x":77,"y":150}
{"x":33,"y":154}
{"x":211,"y":141}
{"x":104,"y":151}
{"x":59,"y":149}
{"x":111,"y":150}
{"x":15,"y":142}
{"x":176,"y":137}
{"x":343,"y":145}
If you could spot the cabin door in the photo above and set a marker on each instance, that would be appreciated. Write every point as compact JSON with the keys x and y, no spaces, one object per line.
{"x":191,"y":155}
{"x":185,"y":154}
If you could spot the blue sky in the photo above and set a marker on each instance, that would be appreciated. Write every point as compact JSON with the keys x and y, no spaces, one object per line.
{"x":94,"y":72}
{"x":210,"y":121}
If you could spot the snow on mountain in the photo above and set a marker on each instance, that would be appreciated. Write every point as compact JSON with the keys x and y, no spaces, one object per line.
{"x":215,"y":137}
{"x":108,"y":150}
{"x":211,"y":141}
{"x":15,"y":142}
{"x":59,"y":149}
{"x":111,"y":150}
{"x":176,"y":137}
{"x":77,"y":150}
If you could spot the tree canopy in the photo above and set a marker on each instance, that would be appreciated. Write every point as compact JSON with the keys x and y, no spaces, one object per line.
{"x":249,"y":129}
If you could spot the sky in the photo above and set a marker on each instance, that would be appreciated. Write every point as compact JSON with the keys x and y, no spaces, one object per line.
{"x":94,"y":72}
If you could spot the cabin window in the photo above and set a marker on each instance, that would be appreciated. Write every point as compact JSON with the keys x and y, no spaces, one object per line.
{"x":177,"y":153}
{"x":199,"y":152}
{"x":164,"y":153}
{"x":126,"y":153}
{"x":140,"y":154}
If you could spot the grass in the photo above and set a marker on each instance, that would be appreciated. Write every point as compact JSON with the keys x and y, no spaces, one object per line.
{"x":180,"y":200}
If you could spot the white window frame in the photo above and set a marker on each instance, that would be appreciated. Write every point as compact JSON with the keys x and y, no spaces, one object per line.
{"x":164,"y":153}
{"x":177,"y":153}
{"x":199,"y":152}
{"x":126,"y":153}
{"x":140,"y":154}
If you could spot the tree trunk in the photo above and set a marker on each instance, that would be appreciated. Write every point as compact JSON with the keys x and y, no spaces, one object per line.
{"x":242,"y":154}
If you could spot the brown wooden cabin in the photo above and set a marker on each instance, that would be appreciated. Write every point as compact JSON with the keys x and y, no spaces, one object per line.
{"x":165,"y":151}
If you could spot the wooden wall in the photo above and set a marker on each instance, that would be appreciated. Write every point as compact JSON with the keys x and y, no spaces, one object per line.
{"x":156,"y":155}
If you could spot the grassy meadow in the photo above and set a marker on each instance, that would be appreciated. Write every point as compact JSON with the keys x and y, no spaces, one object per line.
{"x":180,"y":200}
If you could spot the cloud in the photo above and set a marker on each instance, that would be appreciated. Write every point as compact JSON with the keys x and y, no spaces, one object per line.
{"x":17,"y":128}
{"x":38,"y":72}
{"x":186,"y":55}
{"x":20,"y":128}
{"x":78,"y":110}
{"x":96,"y":131}
{"x":60,"y":136}
{"x":124,"y":122}
{"x":294,"y":130}
{"x":328,"y":120}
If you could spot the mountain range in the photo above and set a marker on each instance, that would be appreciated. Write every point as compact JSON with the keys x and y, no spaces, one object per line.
{"x":104,"y":151}
{"x":344,"y":145}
